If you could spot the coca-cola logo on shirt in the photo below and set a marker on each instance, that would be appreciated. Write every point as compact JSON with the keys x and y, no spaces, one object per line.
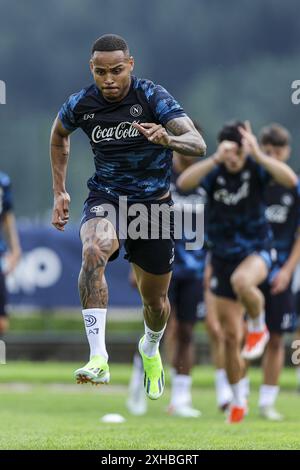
{"x":123,"y":130}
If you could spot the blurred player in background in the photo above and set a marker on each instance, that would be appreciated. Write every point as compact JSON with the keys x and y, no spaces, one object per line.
{"x":241,"y":242}
{"x":186,"y":294}
{"x":217,"y":344}
{"x":187,"y":304}
{"x":10,"y":251}
{"x":133,"y":126}
{"x":283,"y":214}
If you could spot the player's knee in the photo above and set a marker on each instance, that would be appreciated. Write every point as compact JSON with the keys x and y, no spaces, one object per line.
{"x":214,"y":330}
{"x":94,"y":255}
{"x":185,"y":333}
{"x":231,"y":339}
{"x":239,"y":283}
{"x":157,"y":305}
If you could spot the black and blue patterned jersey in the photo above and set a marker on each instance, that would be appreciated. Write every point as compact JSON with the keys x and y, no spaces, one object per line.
{"x":188,"y":264}
{"x":236,"y":222}
{"x":283,"y":214}
{"x":6,"y":204}
{"x":127,"y":164}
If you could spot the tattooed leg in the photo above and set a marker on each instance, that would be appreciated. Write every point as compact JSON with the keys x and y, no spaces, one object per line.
{"x":97,"y":247}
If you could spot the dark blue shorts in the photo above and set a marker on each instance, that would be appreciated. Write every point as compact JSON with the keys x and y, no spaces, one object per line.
{"x":280,"y":310}
{"x":154,"y":255}
{"x":222,"y":270}
{"x":3,"y":294}
{"x":186,"y":298}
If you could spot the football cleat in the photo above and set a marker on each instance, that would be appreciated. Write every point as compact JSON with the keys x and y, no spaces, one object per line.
{"x":255,"y":344}
{"x":96,"y":371}
{"x":154,"y":378}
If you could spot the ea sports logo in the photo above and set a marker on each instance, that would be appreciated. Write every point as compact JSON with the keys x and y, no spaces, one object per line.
{"x":136,"y":110}
{"x":90,"y":320}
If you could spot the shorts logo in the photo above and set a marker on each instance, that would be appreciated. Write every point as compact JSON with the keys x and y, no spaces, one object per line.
{"x":97,"y":209}
{"x":136,"y":110}
{"x":214,"y":283}
{"x":90,"y":320}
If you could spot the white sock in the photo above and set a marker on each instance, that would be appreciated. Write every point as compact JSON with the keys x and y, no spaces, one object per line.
{"x":258,"y":324}
{"x":268,"y":395}
{"x":151,"y":341}
{"x":298,"y":374}
{"x":246,"y":386}
{"x":238,"y":394}
{"x":223,"y":390}
{"x":94,"y":321}
{"x":181,"y":390}
{"x":137,"y":376}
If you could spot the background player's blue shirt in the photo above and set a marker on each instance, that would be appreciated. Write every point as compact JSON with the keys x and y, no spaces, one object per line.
{"x":236,"y":223}
{"x":283,"y":214}
{"x":188,"y":264}
{"x":127,"y":164}
{"x":5,"y":204}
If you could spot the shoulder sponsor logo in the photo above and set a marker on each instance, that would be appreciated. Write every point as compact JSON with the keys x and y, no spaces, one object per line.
{"x":123,"y":130}
{"x":136,"y":110}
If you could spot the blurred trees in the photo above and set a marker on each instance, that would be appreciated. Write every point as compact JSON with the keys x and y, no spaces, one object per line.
{"x":221,"y":60}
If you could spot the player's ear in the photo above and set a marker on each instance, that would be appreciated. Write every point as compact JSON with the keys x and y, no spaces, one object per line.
{"x":131,"y":62}
{"x":91,"y":66}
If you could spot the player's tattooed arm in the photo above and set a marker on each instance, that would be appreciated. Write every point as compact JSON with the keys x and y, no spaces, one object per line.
{"x":59,"y":154}
{"x":184,"y":137}
{"x":179,"y":134}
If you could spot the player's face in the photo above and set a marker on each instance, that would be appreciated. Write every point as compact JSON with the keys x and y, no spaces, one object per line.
{"x":281,"y":153}
{"x":234,"y":159}
{"x":112,"y":73}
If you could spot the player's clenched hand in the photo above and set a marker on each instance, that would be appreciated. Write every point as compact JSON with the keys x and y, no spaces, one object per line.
{"x":60,"y":214}
{"x":155,"y":133}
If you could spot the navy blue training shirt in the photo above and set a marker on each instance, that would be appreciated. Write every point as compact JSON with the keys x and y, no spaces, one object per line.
{"x":127,"y":164}
{"x":6,"y":204}
{"x":283,"y":214}
{"x":236,"y":223}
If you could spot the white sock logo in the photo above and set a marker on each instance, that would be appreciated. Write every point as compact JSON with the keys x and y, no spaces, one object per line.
{"x":90,"y":320}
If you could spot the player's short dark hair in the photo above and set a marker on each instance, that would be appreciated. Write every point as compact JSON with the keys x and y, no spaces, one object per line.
{"x":110,"y":42}
{"x":274,"y":134}
{"x":231,"y":132}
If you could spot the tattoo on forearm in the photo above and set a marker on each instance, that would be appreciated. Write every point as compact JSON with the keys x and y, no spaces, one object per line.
{"x":191,"y":143}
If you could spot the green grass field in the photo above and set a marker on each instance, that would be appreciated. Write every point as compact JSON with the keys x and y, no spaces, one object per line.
{"x":41,"y":408}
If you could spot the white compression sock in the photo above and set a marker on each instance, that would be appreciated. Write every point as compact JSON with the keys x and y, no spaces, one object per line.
{"x":246,"y":386}
{"x":181,"y":390}
{"x":238,"y":394}
{"x":137,"y":376}
{"x":268,"y":395}
{"x":151,"y":341}
{"x":223,"y":390}
{"x":258,"y":324}
{"x":95,"y":320}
